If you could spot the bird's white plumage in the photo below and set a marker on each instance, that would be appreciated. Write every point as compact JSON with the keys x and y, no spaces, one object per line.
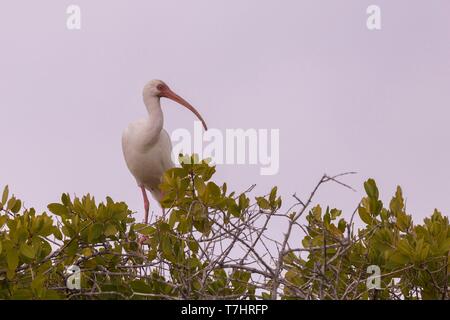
{"x":146,"y":145}
{"x":147,"y":156}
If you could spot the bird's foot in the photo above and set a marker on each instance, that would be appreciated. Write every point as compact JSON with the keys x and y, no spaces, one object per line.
{"x":142,"y":239}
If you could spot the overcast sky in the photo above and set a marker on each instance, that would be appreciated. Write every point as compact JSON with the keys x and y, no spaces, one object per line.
{"x":344,"y":98}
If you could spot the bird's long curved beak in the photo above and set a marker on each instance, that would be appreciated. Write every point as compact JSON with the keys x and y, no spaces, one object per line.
{"x":173,"y":96}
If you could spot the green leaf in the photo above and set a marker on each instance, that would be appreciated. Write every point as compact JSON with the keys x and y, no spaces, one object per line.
{"x":58,"y":209}
{"x":144,"y":229}
{"x":17,"y":206}
{"x":27,"y":251}
{"x":233,"y":208}
{"x":22,"y":294}
{"x":266,"y":296}
{"x":397,"y":203}
{"x":371,"y":189}
{"x":327,"y":218}
{"x":65,"y":199}
{"x":335,"y":213}
{"x":87,"y":252}
{"x":243,"y":201}
{"x":403,"y":221}
{"x":37,"y":285}
{"x":200,"y":186}
{"x":57,"y":233}
{"x":68,"y":231}
{"x":398,"y":259}
{"x":12,"y":258}
{"x":213,"y":189}
{"x":95,"y":232}
{"x":140,"y":286}
{"x":164,"y":227}
{"x":342,"y":225}
{"x":263,"y":203}
{"x":443,"y":248}
{"x":3,"y":220}
{"x":11,"y":203}
{"x":365,"y":215}
{"x":317,"y":212}
{"x":193,"y":245}
{"x":152,"y":254}
{"x":5,"y":194}
{"x":110,"y":230}
{"x":166,"y":246}
{"x":405,"y":248}
{"x":72,"y":248}
{"x":273,"y":194}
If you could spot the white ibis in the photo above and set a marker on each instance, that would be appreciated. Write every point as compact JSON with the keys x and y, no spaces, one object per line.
{"x":146,"y":145}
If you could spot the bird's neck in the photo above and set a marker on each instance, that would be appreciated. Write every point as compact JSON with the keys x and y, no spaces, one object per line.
{"x":155,"y":117}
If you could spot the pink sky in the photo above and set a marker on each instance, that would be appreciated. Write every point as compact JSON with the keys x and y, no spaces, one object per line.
{"x":343,"y":97}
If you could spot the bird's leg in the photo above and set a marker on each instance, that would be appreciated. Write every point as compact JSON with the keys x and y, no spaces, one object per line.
{"x":163,"y":209}
{"x":142,"y":238}
{"x":146,"y":204}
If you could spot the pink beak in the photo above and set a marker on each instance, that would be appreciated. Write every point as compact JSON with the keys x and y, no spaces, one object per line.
{"x":173,"y":96}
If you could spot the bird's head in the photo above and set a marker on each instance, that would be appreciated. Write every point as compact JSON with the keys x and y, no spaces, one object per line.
{"x":158,"y":89}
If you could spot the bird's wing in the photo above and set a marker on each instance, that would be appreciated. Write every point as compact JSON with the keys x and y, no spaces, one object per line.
{"x":166,"y":144}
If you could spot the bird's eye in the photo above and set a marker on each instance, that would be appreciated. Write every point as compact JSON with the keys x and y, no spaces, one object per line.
{"x":160,"y":87}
